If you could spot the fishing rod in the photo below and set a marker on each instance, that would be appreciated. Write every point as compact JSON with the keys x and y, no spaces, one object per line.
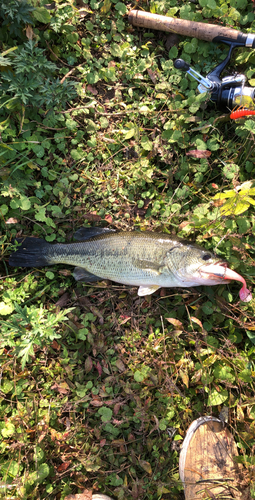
{"x":229,"y":92}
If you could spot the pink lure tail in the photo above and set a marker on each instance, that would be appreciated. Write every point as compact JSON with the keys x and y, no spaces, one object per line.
{"x":244,"y":294}
{"x":227,"y":274}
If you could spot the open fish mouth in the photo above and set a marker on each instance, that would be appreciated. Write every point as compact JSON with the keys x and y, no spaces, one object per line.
{"x":215,"y":271}
{"x":219,"y":269}
{"x":221,"y":272}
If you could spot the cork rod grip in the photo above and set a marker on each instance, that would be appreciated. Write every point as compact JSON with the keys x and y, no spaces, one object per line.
{"x":202,"y":31}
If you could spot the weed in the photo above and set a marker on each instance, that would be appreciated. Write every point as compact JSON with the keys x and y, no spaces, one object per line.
{"x":97,"y":127}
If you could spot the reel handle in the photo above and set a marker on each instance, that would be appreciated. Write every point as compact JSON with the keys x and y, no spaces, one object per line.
{"x":202,"y":31}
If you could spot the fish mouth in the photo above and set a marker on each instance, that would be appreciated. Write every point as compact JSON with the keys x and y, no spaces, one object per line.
{"x":216,"y":272}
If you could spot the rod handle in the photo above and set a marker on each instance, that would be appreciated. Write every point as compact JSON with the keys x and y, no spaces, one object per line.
{"x":202,"y":31}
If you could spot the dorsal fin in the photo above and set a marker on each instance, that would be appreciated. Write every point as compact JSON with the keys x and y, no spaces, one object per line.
{"x":84,"y":233}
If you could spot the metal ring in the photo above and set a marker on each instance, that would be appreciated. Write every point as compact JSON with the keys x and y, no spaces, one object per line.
{"x":249,"y":40}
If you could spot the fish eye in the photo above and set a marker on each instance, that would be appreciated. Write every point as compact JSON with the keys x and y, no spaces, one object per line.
{"x":207,"y":256}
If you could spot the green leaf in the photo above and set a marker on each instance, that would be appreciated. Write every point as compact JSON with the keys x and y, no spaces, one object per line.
{"x":71,"y":124}
{"x":7,"y":386}
{"x":231,"y":170}
{"x":72,"y":37}
{"x":8,"y":430}
{"x":38,"y":454}
{"x":210,"y":4}
{"x":225,"y":194}
{"x":38,"y":150}
{"x":25,"y":354}
{"x":3,"y":209}
{"x":250,"y":125}
{"x":106,"y":413}
{"x":42,"y":472}
{"x":139,"y":376}
{"x":173,"y":52}
{"x":40,"y":215}
{"x":245,"y":375}
{"x":42,"y":15}
{"x":92,"y":78}
{"x":103,"y":122}
{"x":130,"y":133}
{"x":217,"y":398}
{"x":207,"y":308}
{"x":106,"y":6}
{"x":10,"y":468}
{"x":14,"y":204}
{"x":116,"y":50}
{"x":243,"y":225}
{"x":82,"y":333}
{"x":5,"y":309}
{"x":251,"y":336}
{"x":50,"y":275}
{"x":191,"y":47}
{"x":234,"y":207}
{"x":25,"y":203}
{"x":121,"y":7}
{"x":146,"y":143}
{"x":224,"y":373}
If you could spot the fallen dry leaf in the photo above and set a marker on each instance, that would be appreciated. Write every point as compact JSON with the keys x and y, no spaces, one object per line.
{"x":174,"y":322}
{"x":120,"y":365}
{"x":96,"y":401}
{"x":109,"y":219}
{"x":64,"y":466}
{"x":11,"y":220}
{"x":145,"y":466}
{"x":55,"y":345}
{"x":29,"y":32}
{"x":99,"y":368}
{"x":50,"y":6}
{"x":92,"y":217}
{"x":197,"y":321}
{"x":124,"y":318}
{"x":199,"y":153}
{"x":56,"y":436}
{"x":61,"y":388}
{"x":63,"y":300}
{"x":88,"y":364}
{"x":183,"y":224}
{"x":86,"y":495}
{"x":91,"y":89}
{"x":65,"y":272}
{"x":152,"y":75}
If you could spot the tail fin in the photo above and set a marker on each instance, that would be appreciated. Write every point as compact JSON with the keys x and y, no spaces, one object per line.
{"x":31,"y":253}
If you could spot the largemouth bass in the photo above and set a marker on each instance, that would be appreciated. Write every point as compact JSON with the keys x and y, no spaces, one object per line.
{"x":144,"y":259}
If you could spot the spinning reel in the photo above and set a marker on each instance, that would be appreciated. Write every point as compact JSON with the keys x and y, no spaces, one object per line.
{"x":227,"y":93}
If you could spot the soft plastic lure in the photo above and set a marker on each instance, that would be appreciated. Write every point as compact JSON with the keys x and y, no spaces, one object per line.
{"x":240,"y":113}
{"x":227,"y":274}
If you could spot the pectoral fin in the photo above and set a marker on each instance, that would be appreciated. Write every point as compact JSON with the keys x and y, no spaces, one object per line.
{"x":148,"y":265}
{"x":81,"y":274}
{"x":147,"y":290}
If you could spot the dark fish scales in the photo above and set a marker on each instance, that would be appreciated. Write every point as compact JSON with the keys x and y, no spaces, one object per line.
{"x":145,"y":259}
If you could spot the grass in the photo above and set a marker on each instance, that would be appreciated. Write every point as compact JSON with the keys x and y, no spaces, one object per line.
{"x":99,"y":386}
